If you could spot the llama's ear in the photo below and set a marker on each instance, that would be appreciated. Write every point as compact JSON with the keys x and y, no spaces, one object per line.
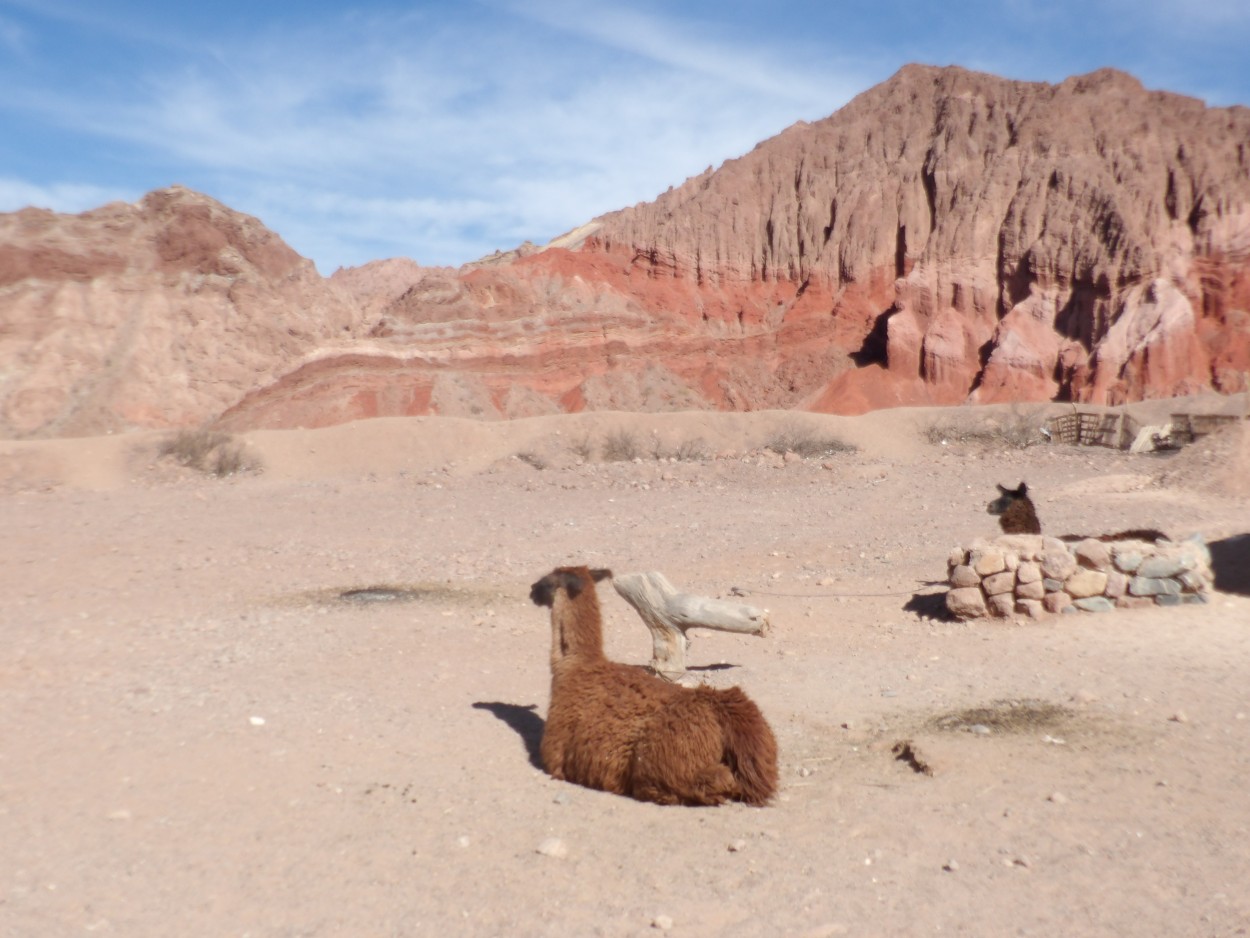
{"x":1022,"y":491}
{"x":1002,"y":489}
{"x":600,"y":575}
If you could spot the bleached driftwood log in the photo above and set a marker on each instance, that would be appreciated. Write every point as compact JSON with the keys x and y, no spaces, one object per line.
{"x":669,"y":613}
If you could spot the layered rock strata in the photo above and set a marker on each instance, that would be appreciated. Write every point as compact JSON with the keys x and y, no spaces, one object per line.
{"x":946,"y":237}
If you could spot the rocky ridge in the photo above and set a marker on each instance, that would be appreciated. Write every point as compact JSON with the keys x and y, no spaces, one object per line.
{"x":947,"y":236}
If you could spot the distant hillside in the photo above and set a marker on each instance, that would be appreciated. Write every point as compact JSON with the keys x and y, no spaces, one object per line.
{"x":947,"y":236}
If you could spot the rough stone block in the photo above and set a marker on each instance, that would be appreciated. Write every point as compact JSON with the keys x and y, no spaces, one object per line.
{"x":958,"y":557}
{"x":1012,"y":560}
{"x":1126,"y":559}
{"x":1051,"y":585}
{"x":1195,"y":581}
{"x":1001,"y":605}
{"x":1162,"y":566}
{"x":999,"y":583}
{"x":1057,"y":564}
{"x":1033,"y":608}
{"x":1034,"y":590}
{"x":987,"y":562}
{"x":1024,"y":546}
{"x":1198,"y":545}
{"x":1057,"y":602}
{"x":1194,"y":598}
{"x":1051,"y":543}
{"x":1094,"y":604}
{"x":1093,"y":554}
{"x":1153,"y":586}
{"x":966,"y":603}
{"x":1029,"y":572}
{"x":963,"y":576}
{"x":1117,"y":584}
{"x":1085,"y":583}
{"x":1168,"y":599}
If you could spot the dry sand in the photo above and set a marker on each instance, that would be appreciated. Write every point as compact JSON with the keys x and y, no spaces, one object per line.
{"x":198,"y":737}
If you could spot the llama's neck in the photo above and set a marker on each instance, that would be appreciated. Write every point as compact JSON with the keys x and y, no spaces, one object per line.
{"x":1020,"y":518}
{"x":576,"y":626}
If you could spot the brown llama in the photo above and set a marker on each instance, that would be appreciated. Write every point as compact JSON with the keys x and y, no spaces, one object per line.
{"x":1017,"y":515}
{"x":620,"y":729}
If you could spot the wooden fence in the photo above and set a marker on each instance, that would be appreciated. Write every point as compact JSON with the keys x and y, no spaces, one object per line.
{"x":1118,"y":431}
{"x":1084,"y":429}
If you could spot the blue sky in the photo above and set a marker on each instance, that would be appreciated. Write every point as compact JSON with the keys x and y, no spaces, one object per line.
{"x":443,"y":131}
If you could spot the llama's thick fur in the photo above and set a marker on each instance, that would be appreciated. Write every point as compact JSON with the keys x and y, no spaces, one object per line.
{"x":618,"y":728}
{"x":1017,"y":515}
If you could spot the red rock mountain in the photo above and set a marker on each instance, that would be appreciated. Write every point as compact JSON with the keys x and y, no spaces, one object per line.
{"x":947,"y":236}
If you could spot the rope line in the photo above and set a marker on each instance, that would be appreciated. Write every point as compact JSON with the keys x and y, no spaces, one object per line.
{"x":924,"y":584}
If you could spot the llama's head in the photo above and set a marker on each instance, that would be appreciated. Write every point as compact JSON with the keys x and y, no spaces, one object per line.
{"x":1005,"y":497}
{"x":1015,"y":510}
{"x":570,"y":579}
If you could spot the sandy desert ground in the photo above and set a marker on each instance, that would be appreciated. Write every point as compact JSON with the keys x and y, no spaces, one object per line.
{"x":199,"y":736}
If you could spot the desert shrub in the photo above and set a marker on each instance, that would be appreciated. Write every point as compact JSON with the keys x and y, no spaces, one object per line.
{"x":695,"y":450}
{"x":805,"y":442}
{"x":1013,"y":430}
{"x":621,"y":446}
{"x":583,"y":448}
{"x":209,"y":451}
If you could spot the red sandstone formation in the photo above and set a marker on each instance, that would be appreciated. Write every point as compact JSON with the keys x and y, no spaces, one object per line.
{"x":946,"y":236}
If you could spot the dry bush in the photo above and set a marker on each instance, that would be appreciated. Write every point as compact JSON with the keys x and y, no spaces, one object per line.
{"x":1013,"y":430}
{"x":209,"y":451}
{"x":803,"y":441}
{"x":695,"y":450}
{"x":692,"y":450}
{"x":583,"y":448}
{"x":621,"y":446}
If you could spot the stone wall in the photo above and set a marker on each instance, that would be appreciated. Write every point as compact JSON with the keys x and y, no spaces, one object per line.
{"x":1031,"y":574}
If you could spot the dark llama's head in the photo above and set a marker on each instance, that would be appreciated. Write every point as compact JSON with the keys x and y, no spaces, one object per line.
{"x":571,"y":579}
{"x":1016,"y":514}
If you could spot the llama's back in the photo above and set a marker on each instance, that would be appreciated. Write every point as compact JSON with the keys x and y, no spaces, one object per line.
{"x":706,"y":747}
{"x":597,"y":713}
{"x":750,"y":747}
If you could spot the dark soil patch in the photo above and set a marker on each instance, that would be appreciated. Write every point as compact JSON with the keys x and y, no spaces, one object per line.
{"x":1008,"y":716}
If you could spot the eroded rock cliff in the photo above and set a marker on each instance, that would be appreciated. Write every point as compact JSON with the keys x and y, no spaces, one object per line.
{"x":947,"y":236}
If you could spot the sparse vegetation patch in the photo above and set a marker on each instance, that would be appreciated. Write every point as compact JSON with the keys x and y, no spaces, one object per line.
{"x":209,"y":451}
{"x":1013,"y":430}
{"x":621,"y":446}
{"x":803,"y":441}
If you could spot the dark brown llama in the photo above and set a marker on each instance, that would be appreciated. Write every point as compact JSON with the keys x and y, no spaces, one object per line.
{"x":618,"y":728}
{"x":1017,"y":515}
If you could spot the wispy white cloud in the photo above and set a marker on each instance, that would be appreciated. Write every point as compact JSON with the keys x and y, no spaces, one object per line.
{"x":445,"y":132}
{"x":441,"y":139}
{"x":684,"y":45}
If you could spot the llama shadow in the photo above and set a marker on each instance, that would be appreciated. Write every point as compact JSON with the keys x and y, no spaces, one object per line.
{"x":929,"y":605}
{"x":1230,"y":562}
{"x":528,"y":725}
{"x":712,"y":667}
